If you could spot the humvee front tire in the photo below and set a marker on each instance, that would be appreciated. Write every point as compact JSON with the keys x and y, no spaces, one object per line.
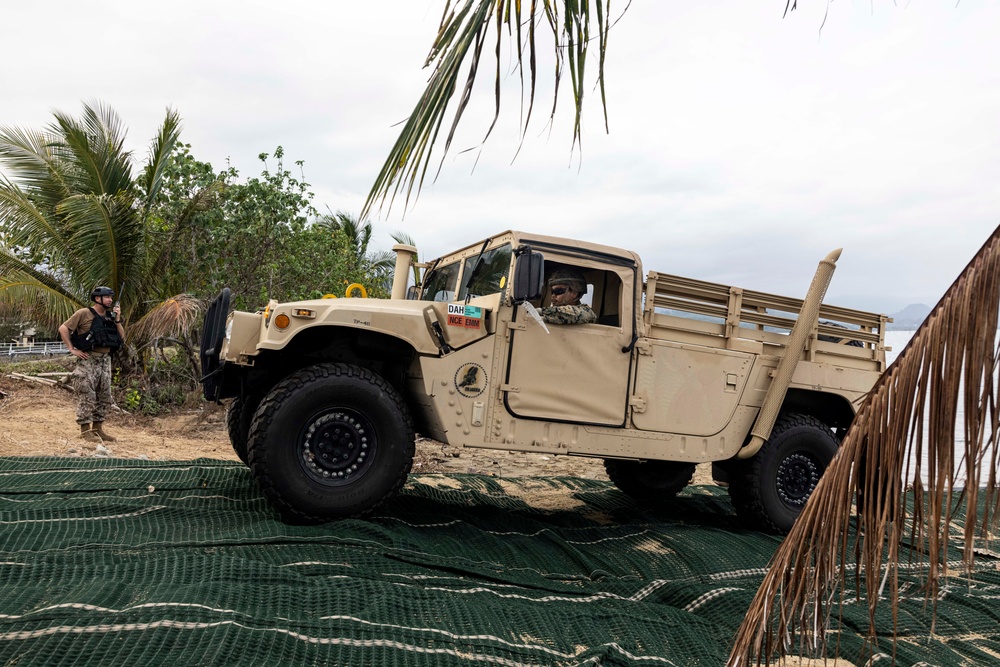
{"x":770,"y":489}
{"x":649,"y":480}
{"x":330,"y":441}
{"x":239,"y":414}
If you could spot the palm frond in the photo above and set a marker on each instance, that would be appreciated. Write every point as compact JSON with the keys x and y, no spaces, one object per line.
{"x":462,"y":36}
{"x":159,"y":157}
{"x":104,"y":229}
{"x":171,"y":317}
{"x":95,"y":146}
{"x":25,"y":224}
{"x":37,"y":296}
{"x":901,"y":449}
{"x":382,"y":262}
{"x":31,"y":157}
{"x":357,"y":233}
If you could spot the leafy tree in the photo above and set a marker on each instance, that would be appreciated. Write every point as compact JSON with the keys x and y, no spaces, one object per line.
{"x":73,"y":216}
{"x":258,"y":238}
{"x":239,"y":240}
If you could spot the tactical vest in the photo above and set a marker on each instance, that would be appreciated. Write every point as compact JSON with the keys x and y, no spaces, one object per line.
{"x":103,"y":333}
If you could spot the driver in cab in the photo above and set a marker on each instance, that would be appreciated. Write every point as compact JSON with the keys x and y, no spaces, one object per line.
{"x":566,"y":287}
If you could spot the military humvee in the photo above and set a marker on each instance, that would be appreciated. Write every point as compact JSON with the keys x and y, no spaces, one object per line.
{"x":328,"y":394}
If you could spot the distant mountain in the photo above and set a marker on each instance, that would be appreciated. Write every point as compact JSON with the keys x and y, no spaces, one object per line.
{"x":910,"y":317}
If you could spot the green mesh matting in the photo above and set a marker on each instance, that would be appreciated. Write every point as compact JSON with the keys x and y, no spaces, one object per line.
{"x":118,"y":562}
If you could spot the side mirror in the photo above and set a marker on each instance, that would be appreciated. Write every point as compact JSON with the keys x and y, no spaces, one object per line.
{"x":529,"y":274}
{"x":412,"y":292}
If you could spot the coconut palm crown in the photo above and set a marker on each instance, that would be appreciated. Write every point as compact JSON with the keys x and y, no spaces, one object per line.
{"x":73,"y":216}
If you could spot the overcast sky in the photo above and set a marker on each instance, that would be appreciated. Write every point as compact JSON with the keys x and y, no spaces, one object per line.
{"x":743,"y":146}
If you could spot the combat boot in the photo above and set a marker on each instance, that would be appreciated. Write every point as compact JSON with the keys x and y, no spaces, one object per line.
{"x":89,"y":435}
{"x":99,"y":430}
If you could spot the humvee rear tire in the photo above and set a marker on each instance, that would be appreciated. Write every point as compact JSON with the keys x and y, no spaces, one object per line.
{"x":330,"y":441}
{"x":239,"y":414}
{"x":649,"y":480}
{"x":770,"y":489}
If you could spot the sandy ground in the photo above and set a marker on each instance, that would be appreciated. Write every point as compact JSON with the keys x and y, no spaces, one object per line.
{"x":39,"y":420}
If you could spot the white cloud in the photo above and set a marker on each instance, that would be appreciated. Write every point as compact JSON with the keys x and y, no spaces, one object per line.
{"x":743,"y":146}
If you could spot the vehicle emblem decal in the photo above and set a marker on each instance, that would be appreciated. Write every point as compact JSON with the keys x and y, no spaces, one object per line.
{"x":470,"y":380}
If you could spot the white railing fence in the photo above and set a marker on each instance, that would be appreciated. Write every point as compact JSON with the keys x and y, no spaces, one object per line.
{"x":10,"y":350}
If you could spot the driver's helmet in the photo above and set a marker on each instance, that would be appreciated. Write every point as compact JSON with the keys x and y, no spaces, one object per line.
{"x":569,"y":277}
{"x":100,"y":291}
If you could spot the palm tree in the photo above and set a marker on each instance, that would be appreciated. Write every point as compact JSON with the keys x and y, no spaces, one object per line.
{"x":73,"y":216}
{"x":358,"y":235}
{"x":462,"y":36}
{"x":363,"y":265}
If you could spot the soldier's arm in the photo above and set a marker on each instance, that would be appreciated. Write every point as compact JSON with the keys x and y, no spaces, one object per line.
{"x":568,"y":314}
{"x":64,"y":334}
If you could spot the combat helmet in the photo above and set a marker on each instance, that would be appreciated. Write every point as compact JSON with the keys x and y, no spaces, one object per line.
{"x":101,"y":290}
{"x":569,"y":277}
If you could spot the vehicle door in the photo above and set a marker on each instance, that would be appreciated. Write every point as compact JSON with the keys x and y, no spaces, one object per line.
{"x":575,"y":372}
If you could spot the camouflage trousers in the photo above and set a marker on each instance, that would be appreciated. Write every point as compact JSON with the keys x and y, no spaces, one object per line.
{"x":92,"y":382}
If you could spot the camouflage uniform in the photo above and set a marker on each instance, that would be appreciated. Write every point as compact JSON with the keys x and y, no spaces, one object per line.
{"x":579,"y":314}
{"x":92,"y":377}
{"x":92,"y":382}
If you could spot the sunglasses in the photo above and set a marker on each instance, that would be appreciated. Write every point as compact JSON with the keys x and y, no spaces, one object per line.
{"x":559,"y":291}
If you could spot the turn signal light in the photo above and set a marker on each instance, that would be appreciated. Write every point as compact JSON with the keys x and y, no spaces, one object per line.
{"x":282,"y":321}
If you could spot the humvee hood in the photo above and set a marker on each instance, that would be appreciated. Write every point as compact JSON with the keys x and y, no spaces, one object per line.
{"x":411,"y":321}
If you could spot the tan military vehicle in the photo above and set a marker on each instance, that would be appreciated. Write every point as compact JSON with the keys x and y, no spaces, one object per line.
{"x":328,"y":394}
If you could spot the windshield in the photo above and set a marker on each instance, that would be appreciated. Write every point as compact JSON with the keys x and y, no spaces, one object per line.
{"x":440,"y":284}
{"x":486,"y":273}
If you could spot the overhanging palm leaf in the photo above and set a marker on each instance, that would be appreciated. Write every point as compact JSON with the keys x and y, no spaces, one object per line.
{"x":460,"y":41}
{"x":903,"y":437}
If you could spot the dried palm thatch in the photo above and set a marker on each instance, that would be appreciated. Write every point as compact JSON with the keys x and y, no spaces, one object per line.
{"x":172,"y":318}
{"x":902,"y":443}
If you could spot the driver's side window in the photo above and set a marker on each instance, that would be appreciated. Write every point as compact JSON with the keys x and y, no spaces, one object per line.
{"x":603,"y":295}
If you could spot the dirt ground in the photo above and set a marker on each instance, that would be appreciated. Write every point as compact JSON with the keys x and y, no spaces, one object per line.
{"x":39,"y":420}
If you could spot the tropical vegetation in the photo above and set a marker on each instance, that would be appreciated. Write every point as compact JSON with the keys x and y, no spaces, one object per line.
{"x":75,"y":215}
{"x":77,"y":211}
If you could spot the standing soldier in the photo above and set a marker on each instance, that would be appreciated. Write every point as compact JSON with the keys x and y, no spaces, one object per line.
{"x":91,"y":334}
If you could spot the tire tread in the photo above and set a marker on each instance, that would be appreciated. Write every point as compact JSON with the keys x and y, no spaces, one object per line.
{"x":289,"y":386}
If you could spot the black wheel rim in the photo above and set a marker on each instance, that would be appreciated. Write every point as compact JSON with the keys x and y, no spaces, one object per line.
{"x":338,"y":447}
{"x":796,"y":479}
